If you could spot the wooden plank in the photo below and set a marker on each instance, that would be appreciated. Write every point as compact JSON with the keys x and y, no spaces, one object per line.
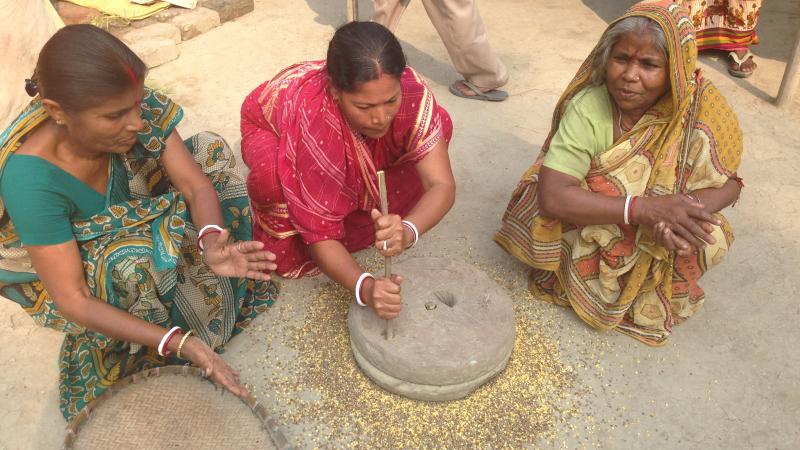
{"x":791,"y":77}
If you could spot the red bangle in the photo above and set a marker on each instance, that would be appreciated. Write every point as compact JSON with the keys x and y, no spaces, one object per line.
{"x":630,"y":208}
{"x":166,"y":344}
{"x":204,"y":234}
{"x":162,"y":346}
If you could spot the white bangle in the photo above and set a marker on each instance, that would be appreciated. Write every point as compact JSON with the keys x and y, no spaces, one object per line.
{"x":165,"y":339}
{"x":625,"y":217}
{"x":202,"y":233}
{"x":360,"y":281}
{"x":409,"y":224}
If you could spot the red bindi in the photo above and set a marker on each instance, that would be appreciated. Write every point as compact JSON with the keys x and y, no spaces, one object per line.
{"x":131,"y":75}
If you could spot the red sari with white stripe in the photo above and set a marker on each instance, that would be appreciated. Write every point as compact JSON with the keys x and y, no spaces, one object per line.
{"x":313,"y":178}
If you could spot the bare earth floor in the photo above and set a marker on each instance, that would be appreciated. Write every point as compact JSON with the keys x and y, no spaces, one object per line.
{"x":728,"y":378}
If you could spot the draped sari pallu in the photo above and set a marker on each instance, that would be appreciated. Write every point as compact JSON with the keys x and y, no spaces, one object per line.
{"x":140,"y":254}
{"x":614,"y":276}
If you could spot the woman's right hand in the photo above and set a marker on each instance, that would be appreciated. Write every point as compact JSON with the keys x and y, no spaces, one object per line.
{"x":204,"y":357}
{"x":680,"y":214}
{"x":242,"y":259}
{"x":389,"y":233}
{"x":383,"y":294}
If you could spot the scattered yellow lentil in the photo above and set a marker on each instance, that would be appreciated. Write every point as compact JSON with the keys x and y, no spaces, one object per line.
{"x":324,"y":391}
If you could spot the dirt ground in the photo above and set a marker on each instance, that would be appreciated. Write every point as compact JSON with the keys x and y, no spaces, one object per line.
{"x":728,"y":378}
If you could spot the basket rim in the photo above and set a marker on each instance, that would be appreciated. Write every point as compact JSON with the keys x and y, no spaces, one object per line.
{"x":269,"y":424}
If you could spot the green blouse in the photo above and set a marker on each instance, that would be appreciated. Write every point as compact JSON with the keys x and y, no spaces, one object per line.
{"x":585,"y":131}
{"x":43,"y":200}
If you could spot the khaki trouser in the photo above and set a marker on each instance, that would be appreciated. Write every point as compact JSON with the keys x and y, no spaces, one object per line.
{"x":460,"y":27}
{"x":24,"y":28}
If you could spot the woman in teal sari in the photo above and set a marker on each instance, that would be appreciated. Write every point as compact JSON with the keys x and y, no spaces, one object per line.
{"x":101,"y":206}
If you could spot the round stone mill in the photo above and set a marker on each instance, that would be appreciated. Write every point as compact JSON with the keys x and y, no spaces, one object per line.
{"x":455,"y":332}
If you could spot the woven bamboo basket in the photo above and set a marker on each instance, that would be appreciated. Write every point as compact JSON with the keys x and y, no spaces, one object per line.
{"x":172,"y":407}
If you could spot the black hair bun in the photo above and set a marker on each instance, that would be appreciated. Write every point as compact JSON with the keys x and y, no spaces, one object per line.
{"x":31,"y":87}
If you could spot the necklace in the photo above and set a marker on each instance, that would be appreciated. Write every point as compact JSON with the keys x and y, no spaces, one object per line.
{"x":619,"y":123}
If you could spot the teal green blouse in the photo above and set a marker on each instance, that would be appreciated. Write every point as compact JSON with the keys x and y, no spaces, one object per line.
{"x":43,"y":200}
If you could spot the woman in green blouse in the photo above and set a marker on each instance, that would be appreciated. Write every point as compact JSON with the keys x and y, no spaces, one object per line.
{"x":101,"y":206}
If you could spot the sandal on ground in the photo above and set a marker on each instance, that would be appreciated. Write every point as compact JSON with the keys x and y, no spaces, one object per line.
{"x":738,"y":72}
{"x":495,"y":95}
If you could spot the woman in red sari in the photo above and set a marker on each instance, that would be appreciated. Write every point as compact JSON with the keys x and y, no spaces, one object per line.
{"x":315,"y":136}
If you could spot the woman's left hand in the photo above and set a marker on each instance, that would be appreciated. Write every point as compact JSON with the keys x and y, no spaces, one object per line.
{"x":214,"y":366}
{"x":239,"y":259}
{"x":388,"y":233}
{"x":665,"y":237}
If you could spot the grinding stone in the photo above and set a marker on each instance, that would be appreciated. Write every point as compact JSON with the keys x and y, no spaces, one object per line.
{"x":455,"y":332}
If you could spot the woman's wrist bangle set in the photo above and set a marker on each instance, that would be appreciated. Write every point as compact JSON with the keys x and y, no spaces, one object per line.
{"x":360,"y":281}
{"x":165,"y":340}
{"x":410,"y":225}
{"x":205,"y":231}
{"x":406,"y":223}
{"x":627,"y":214}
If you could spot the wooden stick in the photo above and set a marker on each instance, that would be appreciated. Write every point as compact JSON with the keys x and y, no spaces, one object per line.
{"x":387,"y":262}
{"x":791,"y":77}
{"x":352,"y":10}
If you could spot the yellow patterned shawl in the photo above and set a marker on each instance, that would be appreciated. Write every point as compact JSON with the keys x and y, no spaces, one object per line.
{"x":613,"y":275}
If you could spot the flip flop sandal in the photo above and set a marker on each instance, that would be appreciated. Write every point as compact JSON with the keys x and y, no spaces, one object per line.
{"x":494,"y":95}
{"x":739,"y":61}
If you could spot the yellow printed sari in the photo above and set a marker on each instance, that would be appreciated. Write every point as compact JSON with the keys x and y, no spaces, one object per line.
{"x":614,"y":276}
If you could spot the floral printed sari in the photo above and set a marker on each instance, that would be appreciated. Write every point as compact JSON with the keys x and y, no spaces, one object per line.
{"x":140,"y":254}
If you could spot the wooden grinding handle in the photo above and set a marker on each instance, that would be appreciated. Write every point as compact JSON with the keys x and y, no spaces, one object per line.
{"x":387,"y":262}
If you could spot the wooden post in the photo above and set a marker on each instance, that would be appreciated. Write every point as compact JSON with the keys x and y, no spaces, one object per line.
{"x":352,"y":10}
{"x":387,"y":261}
{"x":791,"y":77}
